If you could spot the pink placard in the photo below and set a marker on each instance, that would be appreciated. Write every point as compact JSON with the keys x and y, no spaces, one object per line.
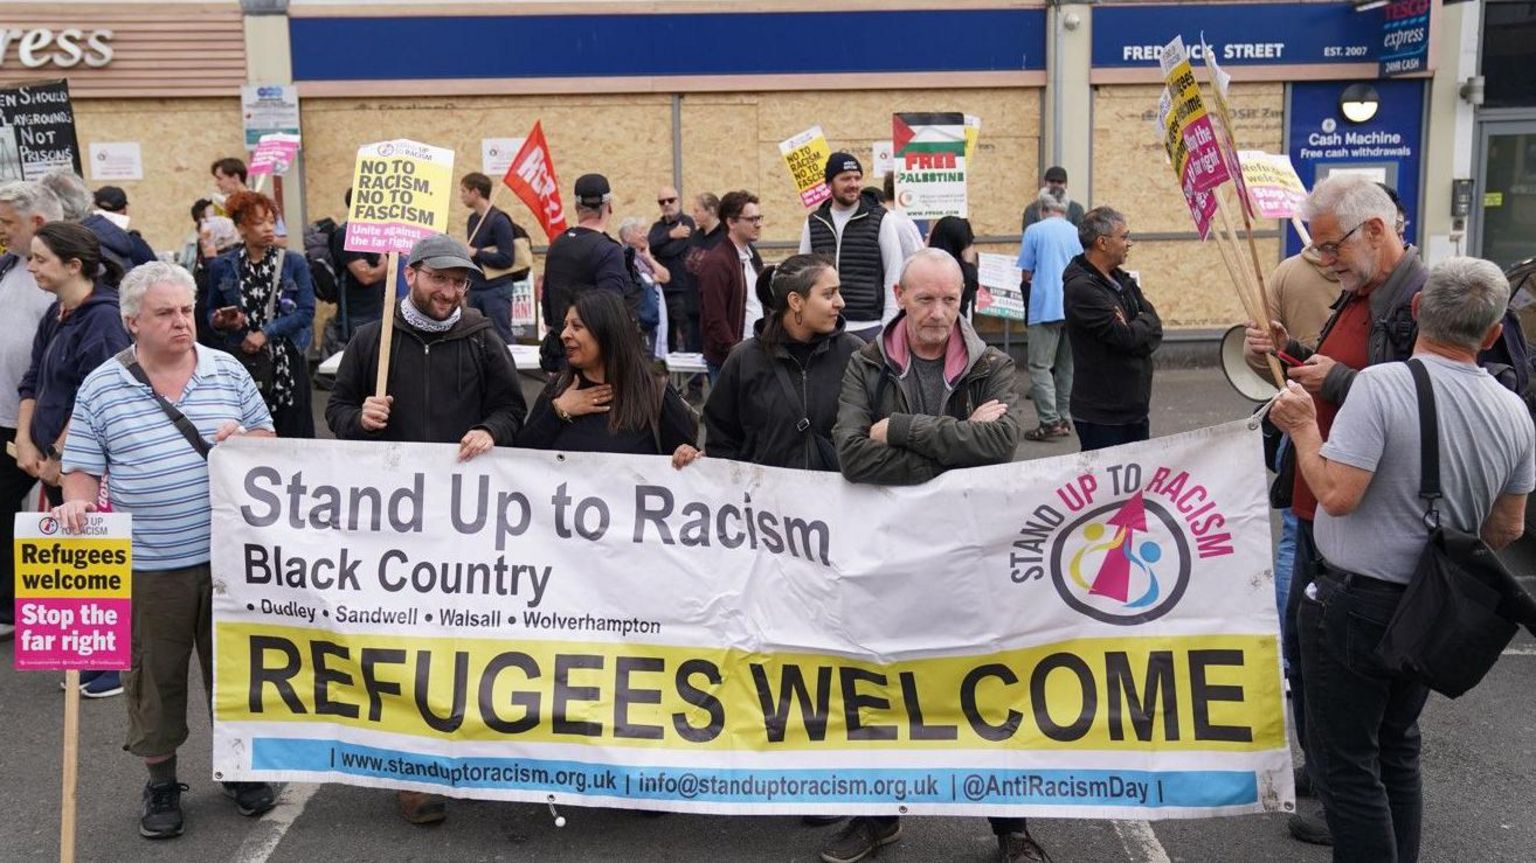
{"x":60,"y":634}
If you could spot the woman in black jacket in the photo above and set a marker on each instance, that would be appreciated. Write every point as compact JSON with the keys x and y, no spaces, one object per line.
{"x":776,"y":398}
{"x":607,"y":399}
{"x":954,"y":235}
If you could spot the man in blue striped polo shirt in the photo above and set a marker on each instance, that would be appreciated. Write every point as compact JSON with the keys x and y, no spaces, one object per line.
{"x":123,"y":426}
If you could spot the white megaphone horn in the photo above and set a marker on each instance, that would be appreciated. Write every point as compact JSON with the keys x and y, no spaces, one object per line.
{"x":1249,"y":383}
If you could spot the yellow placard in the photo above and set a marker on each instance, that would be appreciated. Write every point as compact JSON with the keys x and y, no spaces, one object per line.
{"x":806,"y":157}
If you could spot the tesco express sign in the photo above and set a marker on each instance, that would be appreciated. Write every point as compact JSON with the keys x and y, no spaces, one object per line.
{"x":66,"y":48}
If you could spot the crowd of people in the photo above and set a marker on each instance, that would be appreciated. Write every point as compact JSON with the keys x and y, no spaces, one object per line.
{"x":855,"y":355}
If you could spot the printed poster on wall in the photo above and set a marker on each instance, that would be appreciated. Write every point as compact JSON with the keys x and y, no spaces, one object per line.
{"x":496,"y":154}
{"x":929,"y":151}
{"x":1089,"y":636}
{"x":116,"y":160}
{"x":37,"y":131}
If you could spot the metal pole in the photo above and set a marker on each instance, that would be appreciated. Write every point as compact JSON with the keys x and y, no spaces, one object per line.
{"x":1055,"y":61}
{"x":677,"y":142}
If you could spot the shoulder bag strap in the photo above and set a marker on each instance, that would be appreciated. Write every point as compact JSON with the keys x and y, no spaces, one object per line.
{"x":277,"y":285}
{"x":782,"y":375}
{"x":478,"y":225}
{"x":1429,"y":442}
{"x":179,"y":419}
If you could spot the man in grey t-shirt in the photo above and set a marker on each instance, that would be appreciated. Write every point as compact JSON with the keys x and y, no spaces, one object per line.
{"x":1361,"y":722}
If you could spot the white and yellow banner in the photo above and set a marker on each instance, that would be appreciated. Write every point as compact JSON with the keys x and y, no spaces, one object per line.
{"x":1087,"y":636}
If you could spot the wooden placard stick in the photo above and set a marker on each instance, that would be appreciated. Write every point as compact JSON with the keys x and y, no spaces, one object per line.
{"x":1261,"y":296}
{"x":387,"y":328}
{"x":70,"y":766}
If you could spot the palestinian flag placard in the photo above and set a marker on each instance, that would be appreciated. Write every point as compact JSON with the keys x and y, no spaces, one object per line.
{"x":930,"y":161}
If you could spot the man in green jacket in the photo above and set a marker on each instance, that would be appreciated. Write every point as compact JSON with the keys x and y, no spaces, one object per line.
{"x":926,"y":396}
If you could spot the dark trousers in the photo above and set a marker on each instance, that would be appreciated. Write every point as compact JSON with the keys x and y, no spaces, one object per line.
{"x":1362,"y":723}
{"x":1000,"y":826}
{"x":494,"y":300}
{"x":1303,"y":572}
{"x":681,"y":326}
{"x":14,"y":485}
{"x":1094,"y":436}
{"x":297,"y":420}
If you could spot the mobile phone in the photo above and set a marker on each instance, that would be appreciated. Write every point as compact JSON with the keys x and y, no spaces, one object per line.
{"x":1287,"y":360}
{"x":227,"y":310}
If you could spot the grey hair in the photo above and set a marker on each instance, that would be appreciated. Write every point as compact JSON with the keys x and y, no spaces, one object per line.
{"x":130,"y":294}
{"x":73,"y":194}
{"x":1461,"y":300}
{"x":1050,"y":202}
{"x":32,"y":199}
{"x":1098,"y":222}
{"x":939,"y":258}
{"x":628,"y":226}
{"x":1352,"y":200}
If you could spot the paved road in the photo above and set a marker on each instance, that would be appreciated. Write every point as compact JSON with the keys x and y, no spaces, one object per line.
{"x":1479,"y":760}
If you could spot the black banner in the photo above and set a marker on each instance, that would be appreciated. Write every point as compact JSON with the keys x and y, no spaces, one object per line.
{"x":37,"y":130}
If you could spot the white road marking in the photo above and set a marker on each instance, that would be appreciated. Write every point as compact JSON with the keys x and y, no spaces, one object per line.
{"x":273,"y":826}
{"x":1140,"y":842}
{"x":1520,"y":651}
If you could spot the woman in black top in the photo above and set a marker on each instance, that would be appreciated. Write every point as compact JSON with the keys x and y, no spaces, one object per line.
{"x":954,"y":235}
{"x":775,"y":401}
{"x":607,"y":399}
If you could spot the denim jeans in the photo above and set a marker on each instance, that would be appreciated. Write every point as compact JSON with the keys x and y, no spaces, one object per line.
{"x":1285,"y":562}
{"x":1362,"y":723}
{"x":1303,"y":572}
{"x":495,"y":302}
{"x":1050,"y":371}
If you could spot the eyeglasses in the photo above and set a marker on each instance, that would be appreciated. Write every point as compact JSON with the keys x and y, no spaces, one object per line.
{"x":756,"y":220}
{"x":665,"y":201}
{"x":1331,"y":250}
{"x":437,"y":278}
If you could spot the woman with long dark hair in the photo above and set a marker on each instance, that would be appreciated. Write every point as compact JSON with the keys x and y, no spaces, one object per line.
{"x":775,"y":401}
{"x":264,"y":303}
{"x":607,"y":399}
{"x":954,"y":235}
{"x":80,"y":331}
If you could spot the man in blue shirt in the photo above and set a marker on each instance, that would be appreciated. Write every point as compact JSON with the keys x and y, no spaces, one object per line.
{"x":1048,"y":246}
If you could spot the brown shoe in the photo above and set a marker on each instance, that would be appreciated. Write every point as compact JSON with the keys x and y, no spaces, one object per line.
{"x":419,"y":808}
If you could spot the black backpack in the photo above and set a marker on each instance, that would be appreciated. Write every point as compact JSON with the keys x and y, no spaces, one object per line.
{"x":322,"y":266}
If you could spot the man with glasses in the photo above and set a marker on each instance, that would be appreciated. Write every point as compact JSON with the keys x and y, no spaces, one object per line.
{"x":1353,"y":222}
{"x":728,"y":303}
{"x":670,"y":239}
{"x":451,"y":380}
{"x":1113,"y":331}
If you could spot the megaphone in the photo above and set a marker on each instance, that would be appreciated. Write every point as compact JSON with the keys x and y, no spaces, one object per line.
{"x":1250,"y":384}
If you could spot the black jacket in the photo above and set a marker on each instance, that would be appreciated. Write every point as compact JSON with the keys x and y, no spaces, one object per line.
{"x":675,"y":425}
{"x":1114,"y":333}
{"x":766,"y":408}
{"x":444,"y":384}
{"x":673,"y":252}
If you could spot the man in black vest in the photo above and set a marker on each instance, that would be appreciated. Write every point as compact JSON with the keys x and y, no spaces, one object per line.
{"x":583,"y":258}
{"x":864,"y":245}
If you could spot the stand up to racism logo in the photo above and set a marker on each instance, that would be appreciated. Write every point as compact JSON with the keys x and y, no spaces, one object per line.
{"x":1127,"y":559}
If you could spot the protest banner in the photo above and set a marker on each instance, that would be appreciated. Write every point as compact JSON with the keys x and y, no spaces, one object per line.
{"x":1273,"y":187}
{"x":999,"y":294}
{"x":274,"y":155}
{"x":532,"y":178}
{"x":930,"y":164}
{"x":74,"y":610}
{"x":400,"y":193}
{"x":1087,"y":636}
{"x":1202,"y":205}
{"x":37,"y":131}
{"x":806,"y":156}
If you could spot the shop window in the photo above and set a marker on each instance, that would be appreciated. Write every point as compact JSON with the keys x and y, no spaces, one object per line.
{"x":1509,"y":30}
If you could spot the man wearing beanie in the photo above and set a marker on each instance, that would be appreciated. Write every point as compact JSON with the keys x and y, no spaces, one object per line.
{"x":863,"y":245}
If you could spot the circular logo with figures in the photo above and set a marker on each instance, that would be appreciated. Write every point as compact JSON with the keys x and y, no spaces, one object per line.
{"x":48,"y":525}
{"x":1124,"y":563}
{"x":387,"y":149}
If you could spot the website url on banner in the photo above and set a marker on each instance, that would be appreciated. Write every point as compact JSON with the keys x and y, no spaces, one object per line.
{"x":1148,"y":789}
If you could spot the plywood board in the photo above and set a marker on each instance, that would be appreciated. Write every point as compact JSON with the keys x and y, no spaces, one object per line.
{"x":1188,"y":283}
{"x":626,"y":138}
{"x":179,"y":139}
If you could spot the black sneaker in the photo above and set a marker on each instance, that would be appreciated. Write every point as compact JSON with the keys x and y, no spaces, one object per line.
{"x":251,"y":798}
{"x":1020,"y":848}
{"x":862,"y":837}
{"x":1311,"y":829}
{"x":162,"y":810}
{"x":821,"y":820}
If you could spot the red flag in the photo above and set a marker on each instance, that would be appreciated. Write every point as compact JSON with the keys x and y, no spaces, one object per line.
{"x":532,"y":178}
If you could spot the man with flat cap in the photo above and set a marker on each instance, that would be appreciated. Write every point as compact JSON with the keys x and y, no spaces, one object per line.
{"x":863,"y":245}
{"x":584,"y":258}
{"x":451,"y":380}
